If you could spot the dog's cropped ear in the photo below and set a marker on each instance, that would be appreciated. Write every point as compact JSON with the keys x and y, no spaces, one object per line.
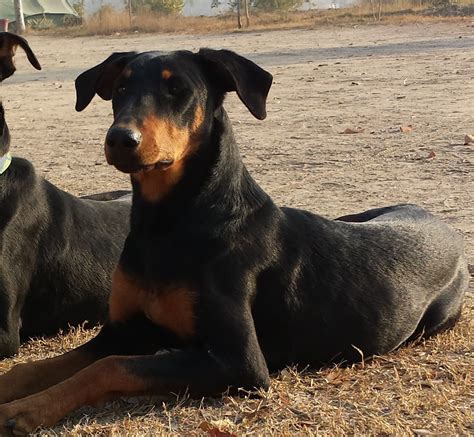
{"x":100,"y":79}
{"x":8,"y":44}
{"x":236,"y":73}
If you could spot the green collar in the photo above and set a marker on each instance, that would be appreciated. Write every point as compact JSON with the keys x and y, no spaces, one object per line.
{"x":5,"y":162}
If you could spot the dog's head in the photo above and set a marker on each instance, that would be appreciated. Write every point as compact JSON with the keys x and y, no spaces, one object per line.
{"x":8,"y":45}
{"x":163,"y":104}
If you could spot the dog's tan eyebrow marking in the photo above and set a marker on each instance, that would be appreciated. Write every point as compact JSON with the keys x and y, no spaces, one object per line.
{"x":166,"y":74}
{"x":127,"y":72}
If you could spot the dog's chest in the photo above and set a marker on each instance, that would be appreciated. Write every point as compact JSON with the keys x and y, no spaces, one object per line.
{"x":171,"y":307}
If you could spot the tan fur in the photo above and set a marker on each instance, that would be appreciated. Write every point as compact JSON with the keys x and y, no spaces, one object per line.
{"x":166,"y":74}
{"x":96,"y":383}
{"x":171,"y":307}
{"x":163,"y":140}
{"x":127,"y":72}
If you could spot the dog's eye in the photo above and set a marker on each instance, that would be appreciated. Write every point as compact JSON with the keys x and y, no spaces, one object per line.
{"x":175,"y":86}
{"x":173,"y":89}
{"x":121,"y":90}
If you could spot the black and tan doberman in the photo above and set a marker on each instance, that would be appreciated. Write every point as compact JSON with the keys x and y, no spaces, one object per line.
{"x":217,"y":286}
{"x":57,"y":251}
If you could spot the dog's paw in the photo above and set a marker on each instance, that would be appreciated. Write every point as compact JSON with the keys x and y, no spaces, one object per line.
{"x":24,"y":416}
{"x":14,"y":427}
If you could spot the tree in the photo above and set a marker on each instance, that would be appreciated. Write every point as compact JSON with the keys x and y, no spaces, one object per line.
{"x":160,"y":6}
{"x":277,"y":5}
{"x":20,"y":19}
{"x":239,"y":20}
{"x":236,"y":5}
{"x":247,"y":16}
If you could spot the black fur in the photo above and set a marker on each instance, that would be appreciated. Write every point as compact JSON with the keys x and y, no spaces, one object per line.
{"x":275,"y":286}
{"x":57,"y":251}
{"x":216,"y":286}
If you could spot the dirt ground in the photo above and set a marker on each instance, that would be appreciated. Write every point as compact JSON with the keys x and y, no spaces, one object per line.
{"x":376,"y":78}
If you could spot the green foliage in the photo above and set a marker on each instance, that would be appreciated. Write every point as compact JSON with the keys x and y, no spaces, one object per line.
{"x":160,"y":6}
{"x":79,"y":8}
{"x":277,"y":5}
{"x":263,"y":5}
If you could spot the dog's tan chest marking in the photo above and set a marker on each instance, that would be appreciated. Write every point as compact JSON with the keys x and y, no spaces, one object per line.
{"x":170,"y":307}
{"x":155,"y":184}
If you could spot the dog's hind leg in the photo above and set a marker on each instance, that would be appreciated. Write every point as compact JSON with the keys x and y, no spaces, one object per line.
{"x":444,"y":311}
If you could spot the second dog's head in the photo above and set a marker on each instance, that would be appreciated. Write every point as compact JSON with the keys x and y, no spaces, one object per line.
{"x":8,"y":45}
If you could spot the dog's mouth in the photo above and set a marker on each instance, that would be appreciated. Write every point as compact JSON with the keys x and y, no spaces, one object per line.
{"x":129,"y":168}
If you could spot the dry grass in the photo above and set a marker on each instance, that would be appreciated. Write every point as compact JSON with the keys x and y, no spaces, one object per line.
{"x":110,"y":21}
{"x":424,"y":389}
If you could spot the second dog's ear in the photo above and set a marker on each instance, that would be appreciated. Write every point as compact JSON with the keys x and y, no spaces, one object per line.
{"x":100,"y":79}
{"x":8,"y":44}
{"x":236,"y":73}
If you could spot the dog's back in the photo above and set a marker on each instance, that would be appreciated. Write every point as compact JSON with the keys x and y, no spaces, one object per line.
{"x":78,"y":246}
{"x":366,"y":285}
{"x":57,"y":254}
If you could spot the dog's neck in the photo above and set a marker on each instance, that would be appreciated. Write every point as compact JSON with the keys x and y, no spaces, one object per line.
{"x":5,"y":162}
{"x":215,"y":186}
{"x":228,"y":179}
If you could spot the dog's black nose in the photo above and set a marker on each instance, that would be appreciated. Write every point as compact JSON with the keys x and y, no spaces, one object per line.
{"x":123,"y":137}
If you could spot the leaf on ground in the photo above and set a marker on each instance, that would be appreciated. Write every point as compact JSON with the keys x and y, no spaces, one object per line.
{"x":468,"y":139}
{"x":407,"y":128}
{"x":217,"y":428}
{"x":431,"y":155}
{"x":421,"y":431}
{"x":351,"y":130}
{"x":470,"y":268}
{"x":334,"y":378}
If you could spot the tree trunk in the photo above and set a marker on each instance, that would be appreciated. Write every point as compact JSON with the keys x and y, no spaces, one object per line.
{"x":19,"y":18}
{"x":239,"y":20}
{"x":247,"y":16}
{"x":380,"y":10}
{"x":373,"y":9}
{"x":129,"y":5}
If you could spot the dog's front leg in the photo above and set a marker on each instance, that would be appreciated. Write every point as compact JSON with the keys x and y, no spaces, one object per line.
{"x":229,"y":357}
{"x":32,"y":377}
{"x":9,"y":336}
{"x":10,"y":293}
{"x":28,"y":378}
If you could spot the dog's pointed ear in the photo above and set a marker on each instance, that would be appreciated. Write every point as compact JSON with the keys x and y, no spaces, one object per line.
{"x":100,"y":79}
{"x":236,"y":73}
